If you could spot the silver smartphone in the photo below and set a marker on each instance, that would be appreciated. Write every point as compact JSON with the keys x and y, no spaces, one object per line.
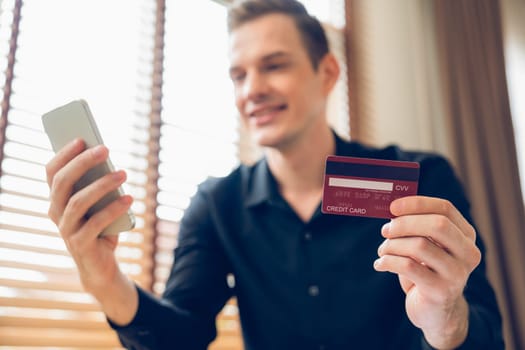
{"x":63,"y":125}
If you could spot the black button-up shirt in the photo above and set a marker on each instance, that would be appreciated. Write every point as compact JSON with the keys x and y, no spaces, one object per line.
{"x":299,"y":285}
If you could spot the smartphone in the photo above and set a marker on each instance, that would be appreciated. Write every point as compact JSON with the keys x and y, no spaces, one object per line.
{"x":74,"y":119}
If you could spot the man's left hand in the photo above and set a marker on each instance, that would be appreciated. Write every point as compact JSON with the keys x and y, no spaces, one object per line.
{"x":431,"y":247}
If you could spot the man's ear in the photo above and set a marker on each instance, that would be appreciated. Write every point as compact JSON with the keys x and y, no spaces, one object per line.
{"x":329,"y":70}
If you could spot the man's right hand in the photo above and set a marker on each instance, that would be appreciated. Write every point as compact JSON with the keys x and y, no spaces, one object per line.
{"x":94,"y":255}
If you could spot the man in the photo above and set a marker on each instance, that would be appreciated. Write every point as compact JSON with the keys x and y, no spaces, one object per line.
{"x":303,"y":279}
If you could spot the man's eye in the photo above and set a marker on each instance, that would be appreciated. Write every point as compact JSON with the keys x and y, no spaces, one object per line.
{"x":237,"y":77}
{"x":274,"y":66}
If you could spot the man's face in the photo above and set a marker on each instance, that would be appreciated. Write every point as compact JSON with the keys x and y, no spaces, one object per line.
{"x":278,"y":93}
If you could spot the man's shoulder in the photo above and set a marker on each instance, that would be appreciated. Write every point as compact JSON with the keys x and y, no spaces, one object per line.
{"x":389,"y":152}
{"x":437,"y":176}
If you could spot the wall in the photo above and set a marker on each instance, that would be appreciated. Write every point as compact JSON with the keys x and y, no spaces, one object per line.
{"x":397,"y":66}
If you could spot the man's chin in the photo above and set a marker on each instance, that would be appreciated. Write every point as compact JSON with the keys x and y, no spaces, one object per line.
{"x":267,"y":140}
{"x":262,"y":139}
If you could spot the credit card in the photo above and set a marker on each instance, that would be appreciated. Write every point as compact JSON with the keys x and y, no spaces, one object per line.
{"x":366,"y":187}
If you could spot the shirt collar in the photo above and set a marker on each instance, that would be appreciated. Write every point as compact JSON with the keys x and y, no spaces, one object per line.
{"x":261,"y":186}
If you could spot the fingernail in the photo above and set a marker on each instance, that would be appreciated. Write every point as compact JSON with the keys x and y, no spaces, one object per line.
{"x":385,"y":229}
{"x":125,"y":200}
{"x":377,"y":262}
{"x":380,"y":248}
{"x":98,"y":151}
{"x":118,"y":175}
{"x":77,"y":141}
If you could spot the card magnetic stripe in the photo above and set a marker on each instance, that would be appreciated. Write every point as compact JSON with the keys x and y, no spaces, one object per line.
{"x":391,"y":172}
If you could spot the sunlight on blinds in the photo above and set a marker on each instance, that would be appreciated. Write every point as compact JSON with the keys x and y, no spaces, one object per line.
{"x":199,"y":119}
{"x":199,"y":131}
{"x":68,"y":49}
{"x":199,"y":123}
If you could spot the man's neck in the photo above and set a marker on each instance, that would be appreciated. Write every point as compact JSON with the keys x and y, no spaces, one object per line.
{"x":300,"y":167}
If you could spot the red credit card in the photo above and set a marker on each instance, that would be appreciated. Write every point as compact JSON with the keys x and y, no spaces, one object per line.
{"x":366,"y":187}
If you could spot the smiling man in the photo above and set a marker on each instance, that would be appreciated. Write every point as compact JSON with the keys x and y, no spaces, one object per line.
{"x":303,"y":279}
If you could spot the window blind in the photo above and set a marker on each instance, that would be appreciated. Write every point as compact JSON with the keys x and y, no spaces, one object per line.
{"x":64,"y":50}
{"x":199,"y":131}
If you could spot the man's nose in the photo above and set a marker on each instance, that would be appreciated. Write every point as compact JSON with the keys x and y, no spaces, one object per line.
{"x":255,"y":86}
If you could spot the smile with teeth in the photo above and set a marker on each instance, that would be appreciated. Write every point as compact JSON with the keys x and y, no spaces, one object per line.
{"x":267,"y":111}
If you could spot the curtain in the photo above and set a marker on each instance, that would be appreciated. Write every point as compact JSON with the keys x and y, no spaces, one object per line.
{"x":469,"y":36}
{"x":461,"y":100}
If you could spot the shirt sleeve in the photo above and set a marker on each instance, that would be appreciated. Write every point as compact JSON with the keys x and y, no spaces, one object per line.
{"x":485,"y":324}
{"x":196,"y":290}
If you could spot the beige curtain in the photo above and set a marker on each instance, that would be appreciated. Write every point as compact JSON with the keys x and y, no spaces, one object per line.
{"x":463,"y":85}
{"x":470,"y":46}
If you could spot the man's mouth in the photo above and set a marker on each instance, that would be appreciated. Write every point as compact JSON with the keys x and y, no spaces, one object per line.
{"x":262,"y":112}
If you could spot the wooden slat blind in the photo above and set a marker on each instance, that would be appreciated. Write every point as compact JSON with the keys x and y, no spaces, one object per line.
{"x":69,"y":49}
{"x":42,"y":303}
{"x":198,"y":133}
